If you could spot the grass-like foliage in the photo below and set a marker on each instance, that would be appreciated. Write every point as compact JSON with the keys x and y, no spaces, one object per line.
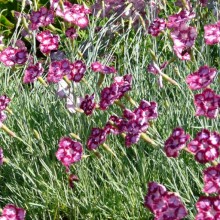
{"x":111,"y":185}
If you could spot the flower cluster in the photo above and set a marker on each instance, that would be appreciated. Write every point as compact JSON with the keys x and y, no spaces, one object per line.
{"x":11,"y":212}
{"x":33,"y":72}
{"x":207,"y":104}
{"x":205,"y":146}
{"x":40,"y":18}
{"x":134,"y":123}
{"x":48,"y":41}
{"x":11,"y":56}
{"x":74,"y":13}
{"x":164,"y":204}
{"x":116,"y":91}
{"x":69,"y":152}
{"x":201,"y":78}
{"x":156,"y":27}
{"x":176,"y":142}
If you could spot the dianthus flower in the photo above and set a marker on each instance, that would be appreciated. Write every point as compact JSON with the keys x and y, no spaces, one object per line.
{"x":71,"y":33}
{"x":48,"y":41}
{"x":33,"y":72}
{"x":1,"y":156}
{"x":176,"y":142}
{"x":3,"y":117}
{"x":96,"y":138}
{"x":74,"y":13}
{"x":175,"y":20}
{"x":116,"y":91}
{"x":212,"y":33}
{"x":11,"y":56}
{"x":207,"y":104}
{"x":88,"y":104}
{"x":156,"y":27}
{"x":57,"y":70}
{"x":211,"y":177}
{"x":163,"y":204}
{"x":201,"y":78}
{"x":41,"y":18}
{"x":208,"y":208}
{"x":4,"y":100}
{"x":69,"y":152}
{"x":205,"y":146}
{"x":98,"y":67}
{"x":77,"y":71}
{"x":11,"y":212}
{"x":183,"y":38}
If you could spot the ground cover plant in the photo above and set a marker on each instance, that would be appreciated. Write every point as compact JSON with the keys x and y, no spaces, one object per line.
{"x":109,"y":110}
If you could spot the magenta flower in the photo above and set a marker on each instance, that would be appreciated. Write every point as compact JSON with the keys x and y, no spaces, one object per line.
{"x":156,"y":27}
{"x":208,"y":208}
{"x":212,"y":33}
{"x":48,"y":41}
{"x":201,"y":78}
{"x":33,"y":72}
{"x":183,"y":38}
{"x":57,"y":70}
{"x":11,"y":212}
{"x":41,"y":18}
{"x":88,"y":104}
{"x":116,"y":91}
{"x":78,"y":69}
{"x":69,"y":152}
{"x":11,"y":56}
{"x":212,"y":179}
{"x":4,"y":100}
{"x":176,"y":142}
{"x":3,"y":117}
{"x":71,"y":33}
{"x":97,"y":137}
{"x":204,"y":2}
{"x":164,"y":204}
{"x":205,"y":146}
{"x":175,"y":20}
{"x":1,"y":156}
{"x":98,"y":67}
{"x":207,"y":104}
{"x":74,"y":13}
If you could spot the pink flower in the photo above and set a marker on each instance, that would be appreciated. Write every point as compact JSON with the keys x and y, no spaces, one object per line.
{"x":74,"y":13}
{"x":71,"y":33}
{"x":3,"y":117}
{"x":212,"y":33}
{"x":78,"y":69}
{"x":116,"y":91}
{"x":183,"y":38}
{"x":156,"y":27}
{"x":11,"y":212}
{"x":48,"y":41}
{"x":11,"y":56}
{"x":205,"y":146}
{"x":212,"y":179}
{"x":207,"y":104}
{"x":176,"y":142}
{"x":175,"y":20}
{"x":201,"y":78}
{"x":88,"y":104}
{"x":57,"y":70}
{"x":97,"y":137}
{"x":69,"y":152}
{"x":208,"y":208}
{"x":72,"y":178}
{"x":1,"y":156}
{"x":41,"y":18}
{"x":164,"y":204}
{"x":33,"y":72}
{"x":4,"y":100}
{"x":98,"y":67}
